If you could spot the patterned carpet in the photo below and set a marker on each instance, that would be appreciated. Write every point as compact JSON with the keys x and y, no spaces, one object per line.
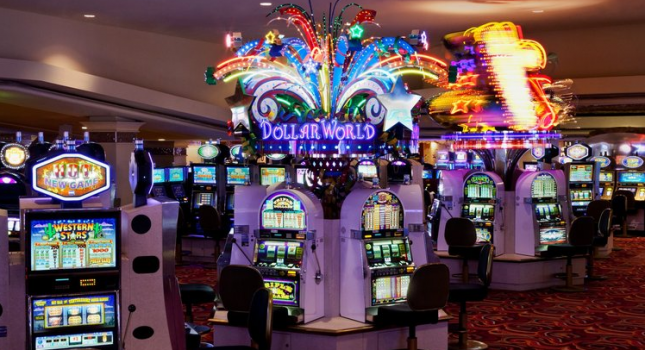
{"x":609,"y":315}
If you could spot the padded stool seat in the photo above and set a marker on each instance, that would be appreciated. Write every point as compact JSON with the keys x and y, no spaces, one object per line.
{"x":196,"y":293}
{"x":566,"y":249}
{"x":467,"y":252}
{"x":467,"y":291}
{"x":579,"y":241}
{"x":403,"y":315}
{"x":281,"y":318}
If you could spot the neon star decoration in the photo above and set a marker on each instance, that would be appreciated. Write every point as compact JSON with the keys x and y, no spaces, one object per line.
{"x":399,"y":104}
{"x":460,"y":106}
{"x":356,"y":31}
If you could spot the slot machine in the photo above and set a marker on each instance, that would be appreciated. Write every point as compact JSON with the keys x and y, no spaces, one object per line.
{"x":462,"y":160}
{"x":606,"y":178}
{"x":178,"y":184}
{"x":366,"y":170}
{"x":236,"y":175}
{"x":483,"y":202}
{"x":159,"y":179}
{"x":632,"y":178}
{"x":377,"y":257}
{"x":445,"y":160}
{"x":12,"y":291}
{"x":541,"y":211}
{"x":450,"y":194}
{"x":204,"y":189}
{"x":581,"y":177}
{"x":272,"y":174}
{"x":289,"y":251}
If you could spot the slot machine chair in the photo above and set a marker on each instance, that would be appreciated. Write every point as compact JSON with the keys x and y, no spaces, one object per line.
{"x":461,"y":238}
{"x":214,"y":226}
{"x":599,"y":240}
{"x":621,"y":210}
{"x":196,"y":294}
{"x":237,"y":285}
{"x":472,"y":290}
{"x":579,"y":241}
{"x":427,"y":294}
{"x":182,"y":230}
{"x":596,"y":207}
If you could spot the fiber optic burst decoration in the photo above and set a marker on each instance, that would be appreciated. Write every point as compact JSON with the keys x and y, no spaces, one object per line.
{"x":496,"y":86}
{"x":331,"y":90}
{"x":501,"y":139}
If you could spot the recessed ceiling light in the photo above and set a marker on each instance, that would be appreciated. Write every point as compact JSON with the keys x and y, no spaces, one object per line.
{"x":84,"y":127}
{"x":537,"y":11}
{"x":265,"y":4}
{"x":89,"y":15}
{"x":162,"y":139}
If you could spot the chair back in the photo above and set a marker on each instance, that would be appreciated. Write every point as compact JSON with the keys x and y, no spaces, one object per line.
{"x":460,"y":232}
{"x":629,"y":198}
{"x":604,"y":223}
{"x":595,"y":208}
{"x":582,"y":231}
{"x":485,"y":264}
{"x":261,"y":319}
{"x":429,"y":287}
{"x":209,"y":220}
{"x":237,"y":285}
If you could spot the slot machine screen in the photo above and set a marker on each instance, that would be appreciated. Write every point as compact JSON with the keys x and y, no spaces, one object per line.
{"x":427,"y":174}
{"x":553,"y":235}
{"x":580,"y":173}
{"x":73,"y":322}
{"x":204,"y":175}
{"x":544,"y":186}
{"x":631,"y":177}
{"x":272,"y":175}
{"x":368,"y":169}
{"x":531,"y":166}
{"x":203,"y":198}
{"x":382,"y":212}
{"x":388,"y":252}
{"x":389,"y":289}
{"x":238,"y":175}
{"x":479,"y":186}
{"x":281,"y":211}
{"x":230,"y":202}
{"x":281,"y":253}
{"x":301,"y":175}
{"x":606,"y":176}
{"x":176,"y":174}
{"x":13,"y":224}
{"x":74,"y":240}
{"x":159,"y":176}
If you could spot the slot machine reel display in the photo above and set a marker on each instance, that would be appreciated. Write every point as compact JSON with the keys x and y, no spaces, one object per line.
{"x":376,"y":256}
{"x":581,"y":186}
{"x":289,"y":251}
{"x":632,"y":178}
{"x":482,"y":204}
{"x":541,"y":213}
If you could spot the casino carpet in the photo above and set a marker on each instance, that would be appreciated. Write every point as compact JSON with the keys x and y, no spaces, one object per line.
{"x":609,"y":315}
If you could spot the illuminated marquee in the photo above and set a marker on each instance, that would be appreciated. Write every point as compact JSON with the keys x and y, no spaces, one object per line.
{"x":14,"y":155}
{"x":208,"y":151}
{"x":318,"y":131}
{"x":632,"y":162}
{"x":71,"y":177}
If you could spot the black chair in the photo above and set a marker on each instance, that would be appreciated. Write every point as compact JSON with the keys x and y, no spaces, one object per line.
{"x":600,"y":240}
{"x":213,"y":226}
{"x":461,"y":238}
{"x":427,"y":294}
{"x":237,"y":285}
{"x":622,"y":204}
{"x":260,"y":322}
{"x":196,"y":294}
{"x":579,"y":242}
{"x":181,"y":231}
{"x":596,"y":207}
{"x":476,"y":290}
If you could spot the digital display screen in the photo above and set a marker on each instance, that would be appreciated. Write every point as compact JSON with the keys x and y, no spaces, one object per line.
{"x":389,"y":289}
{"x":581,"y":173}
{"x":204,"y":175}
{"x":631,"y":177}
{"x":72,"y":241}
{"x":479,"y":186}
{"x":203,"y":198}
{"x":271,"y":175}
{"x":230,"y":202}
{"x":427,"y":174}
{"x":159,"y":175}
{"x":606,"y":176}
{"x":301,"y":174}
{"x":176,"y":174}
{"x":282,"y":211}
{"x":285,"y":292}
{"x":285,"y":254}
{"x":531,"y":166}
{"x":553,"y":235}
{"x":13,"y":224}
{"x":544,"y":186}
{"x":238,"y":175}
{"x":388,"y":252}
{"x":158,"y":191}
{"x":178,"y":191}
{"x":76,"y":341}
{"x":367,"y":169}
{"x":382,"y":212}
{"x":461,"y":157}
{"x":73,"y":311}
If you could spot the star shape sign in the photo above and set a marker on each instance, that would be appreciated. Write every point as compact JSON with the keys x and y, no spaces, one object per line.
{"x":239,"y":103}
{"x":356,"y":31}
{"x":399,"y":104}
{"x":460,"y":106}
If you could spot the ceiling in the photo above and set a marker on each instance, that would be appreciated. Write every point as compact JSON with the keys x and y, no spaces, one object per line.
{"x":209,"y":20}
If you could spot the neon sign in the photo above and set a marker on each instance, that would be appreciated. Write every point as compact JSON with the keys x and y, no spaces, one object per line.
{"x":632,"y":162}
{"x":208,"y":151}
{"x":578,"y":151}
{"x":318,"y":131}
{"x":71,"y":177}
{"x":14,"y":155}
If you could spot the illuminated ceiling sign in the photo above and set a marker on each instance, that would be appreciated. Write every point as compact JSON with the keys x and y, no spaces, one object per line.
{"x":632,"y":162}
{"x":71,"y":177}
{"x":538,"y":152}
{"x":276,"y":156}
{"x":323,"y":130}
{"x":603,"y":162}
{"x":14,"y":155}
{"x":208,"y":151}
{"x":578,"y":151}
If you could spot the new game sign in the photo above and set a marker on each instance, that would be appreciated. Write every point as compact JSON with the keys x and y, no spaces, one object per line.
{"x":71,"y":177}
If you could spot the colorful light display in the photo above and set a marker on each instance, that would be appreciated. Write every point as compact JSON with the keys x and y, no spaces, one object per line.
{"x":71,"y":177}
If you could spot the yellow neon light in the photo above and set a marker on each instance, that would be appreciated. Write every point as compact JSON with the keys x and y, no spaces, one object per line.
{"x":417,"y":72}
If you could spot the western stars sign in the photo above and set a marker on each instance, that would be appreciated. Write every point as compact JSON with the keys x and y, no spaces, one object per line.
{"x":324,"y":130}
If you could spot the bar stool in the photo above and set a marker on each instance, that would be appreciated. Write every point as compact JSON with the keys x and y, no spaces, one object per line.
{"x":195,"y":294}
{"x":579,"y":242}
{"x":599,"y":240}
{"x":461,"y":237}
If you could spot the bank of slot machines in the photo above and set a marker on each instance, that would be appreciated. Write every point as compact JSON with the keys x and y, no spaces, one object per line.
{"x":73,"y":278}
{"x":548,"y":212}
{"x":581,"y":186}
{"x":479,"y":205}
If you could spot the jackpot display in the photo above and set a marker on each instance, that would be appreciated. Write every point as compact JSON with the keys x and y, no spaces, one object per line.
{"x":206,"y":175}
{"x":283,"y":212}
{"x":480,"y":195}
{"x":382,"y":215}
{"x":272,"y":175}
{"x":367,"y":169}
{"x":238,"y":175}
{"x":159,"y":175}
